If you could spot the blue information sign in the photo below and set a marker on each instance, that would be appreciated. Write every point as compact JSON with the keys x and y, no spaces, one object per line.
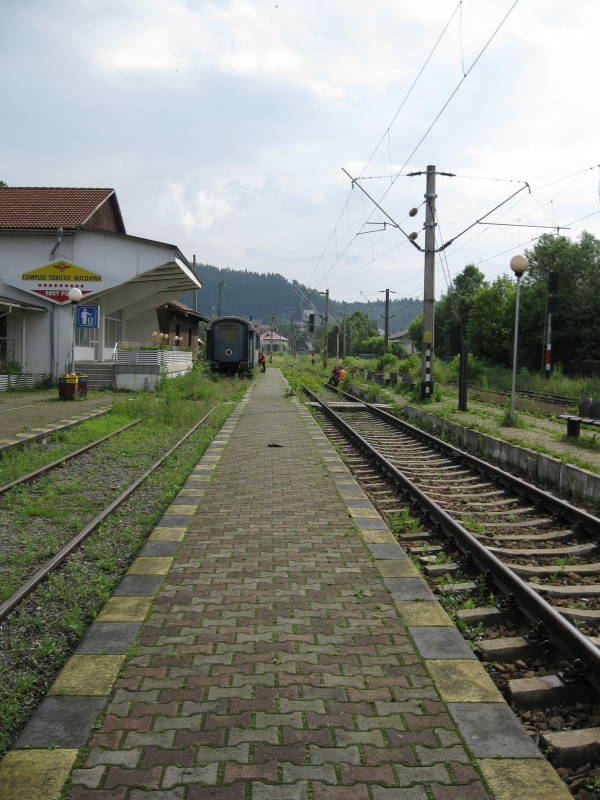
{"x":87,"y":316}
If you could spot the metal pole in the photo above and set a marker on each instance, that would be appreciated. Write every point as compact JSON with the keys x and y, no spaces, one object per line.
{"x":514,"y":370}
{"x":344,"y":339}
{"x":549,"y":347}
{"x":386,"y":329}
{"x":428,"y":286}
{"x":325,"y":326}
{"x":221,"y":285}
{"x":194,"y":266}
{"x":73,"y":320}
{"x":463,"y":377}
{"x":271,"y":351}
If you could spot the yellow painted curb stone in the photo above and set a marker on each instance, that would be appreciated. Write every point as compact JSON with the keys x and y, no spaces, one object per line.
{"x":124,"y":609}
{"x":84,"y":675}
{"x":150,"y":565}
{"x":523,"y":779}
{"x":463,"y":681}
{"x":35,"y":774}
{"x":165,"y":534}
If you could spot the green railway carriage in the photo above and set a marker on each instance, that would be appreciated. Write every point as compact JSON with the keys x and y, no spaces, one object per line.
{"x":232,"y":345}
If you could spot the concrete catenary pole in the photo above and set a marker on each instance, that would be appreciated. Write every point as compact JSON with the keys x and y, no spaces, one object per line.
{"x":272,"y":324}
{"x":386,"y":320}
{"x":325,"y":327}
{"x":221,"y":285}
{"x":429,"y":286}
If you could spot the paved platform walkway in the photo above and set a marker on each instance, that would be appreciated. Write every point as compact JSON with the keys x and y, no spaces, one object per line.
{"x":283,"y":647}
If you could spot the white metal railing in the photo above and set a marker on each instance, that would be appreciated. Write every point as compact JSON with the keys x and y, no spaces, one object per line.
{"x":29,"y":381}
{"x":153,"y":357}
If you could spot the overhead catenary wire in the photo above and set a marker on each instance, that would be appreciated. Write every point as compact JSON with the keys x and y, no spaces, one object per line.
{"x":430,"y":127}
{"x":388,"y":128}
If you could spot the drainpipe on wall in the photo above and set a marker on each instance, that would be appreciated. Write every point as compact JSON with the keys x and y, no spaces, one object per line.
{"x":59,"y":238}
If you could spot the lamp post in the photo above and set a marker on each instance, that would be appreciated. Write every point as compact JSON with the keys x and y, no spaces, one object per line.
{"x":518,"y":264}
{"x":75,"y":296}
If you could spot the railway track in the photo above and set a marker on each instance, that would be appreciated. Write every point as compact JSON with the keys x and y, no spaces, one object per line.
{"x":34,"y":580}
{"x":500,"y":534}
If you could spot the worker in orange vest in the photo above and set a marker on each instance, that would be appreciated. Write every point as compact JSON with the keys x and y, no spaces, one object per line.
{"x":262,"y":361}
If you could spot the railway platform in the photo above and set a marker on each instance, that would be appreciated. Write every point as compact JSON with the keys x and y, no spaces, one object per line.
{"x":272,"y":641}
{"x":27,"y":416}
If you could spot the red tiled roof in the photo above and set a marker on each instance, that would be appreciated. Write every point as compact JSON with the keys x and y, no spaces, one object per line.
{"x":48,"y":207}
{"x":187,"y":309}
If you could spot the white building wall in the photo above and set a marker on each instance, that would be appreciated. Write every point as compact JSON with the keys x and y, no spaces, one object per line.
{"x":138,"y":327}
{"x":48,"y":335}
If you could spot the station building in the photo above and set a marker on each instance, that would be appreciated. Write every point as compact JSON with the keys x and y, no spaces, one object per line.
{"x":54,"y":239}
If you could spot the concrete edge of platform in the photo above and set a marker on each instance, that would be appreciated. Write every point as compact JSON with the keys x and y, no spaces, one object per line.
{"x":499,"y":745}
{"x":42,"y":758}
{"x":42,"y":432}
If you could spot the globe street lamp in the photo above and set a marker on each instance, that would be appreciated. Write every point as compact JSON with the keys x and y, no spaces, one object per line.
{"x":74,"y":296}
{"x":518,"y":264}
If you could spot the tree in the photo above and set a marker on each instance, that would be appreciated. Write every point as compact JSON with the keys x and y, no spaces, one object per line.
{"x":576,"y":313}
{"x":3,"y":185}
{"x":491,"y":322}
{"x":415,"y":332}
{"x":453,"y":309}
{"x":359,"y":328}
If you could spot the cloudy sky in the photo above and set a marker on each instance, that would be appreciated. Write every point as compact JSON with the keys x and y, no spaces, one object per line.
{"x":223,"y":125}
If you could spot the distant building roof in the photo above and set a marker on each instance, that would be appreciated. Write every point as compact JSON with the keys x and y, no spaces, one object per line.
{"x":54,"y":207}
{"x":267,"y":333}
{"x":399,"y":335}
{"x":188,"y":310}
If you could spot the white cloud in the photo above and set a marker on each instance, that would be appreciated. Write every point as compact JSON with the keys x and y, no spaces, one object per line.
{"x":197,"y":208}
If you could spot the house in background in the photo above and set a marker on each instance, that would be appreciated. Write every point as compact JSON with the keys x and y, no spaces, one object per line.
{"x":404,"y":339}
{"x":270,"y":340}
{"x":53,"y":239}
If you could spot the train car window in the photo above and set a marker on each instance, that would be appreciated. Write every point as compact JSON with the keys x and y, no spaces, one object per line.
{"x":228,"y":334}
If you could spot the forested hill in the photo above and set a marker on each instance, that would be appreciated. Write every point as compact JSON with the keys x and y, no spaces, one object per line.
{"x":256,"y":295}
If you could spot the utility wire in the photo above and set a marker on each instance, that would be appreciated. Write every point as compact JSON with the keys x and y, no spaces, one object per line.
{"x":386,"y":132}
{"x":412,"y":86}
{"x":436,"y":118}
{"x":452,"y":95}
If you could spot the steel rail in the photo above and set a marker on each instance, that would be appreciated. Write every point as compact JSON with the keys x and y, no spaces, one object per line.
{"x":552,"y":504}
{"x":563,"y":634}
{"x":548,"y":398}
{"x":10,"y":603}
{"x":60,"y":461}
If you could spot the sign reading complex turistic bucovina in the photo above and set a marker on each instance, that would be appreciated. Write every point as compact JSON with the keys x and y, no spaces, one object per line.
{"x":54,"y":280}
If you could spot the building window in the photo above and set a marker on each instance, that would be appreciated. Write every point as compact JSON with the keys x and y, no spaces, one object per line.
{"x":113,"y":328}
